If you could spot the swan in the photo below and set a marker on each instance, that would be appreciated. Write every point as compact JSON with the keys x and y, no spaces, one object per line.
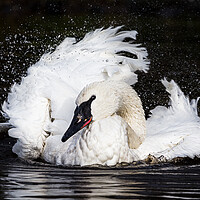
{"x":108,"y":125}
{"x":42,"y":105}
{"x":113,"y":125}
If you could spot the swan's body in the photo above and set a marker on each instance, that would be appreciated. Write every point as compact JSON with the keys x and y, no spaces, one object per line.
{"x":118,"y":125}
{"x":43,"y":103}
{"x":171,"y":132}
{"x":41,"y":107}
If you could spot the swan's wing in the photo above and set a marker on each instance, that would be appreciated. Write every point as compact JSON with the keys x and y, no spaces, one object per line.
{"x":98,"y":56}
{"x":44,"y":101}
{"x":174,"y":131}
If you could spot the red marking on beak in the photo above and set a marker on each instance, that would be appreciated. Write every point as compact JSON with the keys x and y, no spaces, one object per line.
{"x":87,"y":123}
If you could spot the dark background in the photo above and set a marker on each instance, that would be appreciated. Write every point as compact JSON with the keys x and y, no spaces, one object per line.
{"x":169,"y":29}
{"x":138,"y":7}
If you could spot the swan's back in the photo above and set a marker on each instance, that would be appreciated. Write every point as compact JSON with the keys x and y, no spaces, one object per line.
{"x":174,"y":131}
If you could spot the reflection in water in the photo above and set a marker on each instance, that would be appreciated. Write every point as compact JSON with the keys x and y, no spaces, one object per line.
{"x":132,"y":182}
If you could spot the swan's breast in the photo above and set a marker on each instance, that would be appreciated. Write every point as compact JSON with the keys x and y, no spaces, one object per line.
{"x":105,"y":142}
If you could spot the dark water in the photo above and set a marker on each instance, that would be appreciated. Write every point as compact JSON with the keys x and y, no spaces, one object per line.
{"x":23,"y":181}
{"x":173,"y":43}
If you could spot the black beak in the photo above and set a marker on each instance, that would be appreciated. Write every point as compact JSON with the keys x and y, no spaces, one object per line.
{"x":82,"y":117}
{"x":78,"y":122}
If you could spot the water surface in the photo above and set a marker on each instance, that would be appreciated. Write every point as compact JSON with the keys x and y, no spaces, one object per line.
{"x":29,"y":181}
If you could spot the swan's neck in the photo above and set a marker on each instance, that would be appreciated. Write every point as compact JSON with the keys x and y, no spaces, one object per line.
{"x":132,"y":112}
{"x":115,"y":97}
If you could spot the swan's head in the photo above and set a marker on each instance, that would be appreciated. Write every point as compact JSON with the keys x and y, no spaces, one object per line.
{"x":96,"y":101}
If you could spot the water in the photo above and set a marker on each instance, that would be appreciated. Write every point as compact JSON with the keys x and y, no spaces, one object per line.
{"x":24,"y":181}
{"x":173,"y":44}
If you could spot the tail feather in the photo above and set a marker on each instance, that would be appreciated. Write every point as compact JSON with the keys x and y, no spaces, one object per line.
{"x":180,"y":110}
{"x":179,"y":102}
{"x":174,"y":131}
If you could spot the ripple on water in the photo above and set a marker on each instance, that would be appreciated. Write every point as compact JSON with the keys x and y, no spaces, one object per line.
{"x":43,"y":181}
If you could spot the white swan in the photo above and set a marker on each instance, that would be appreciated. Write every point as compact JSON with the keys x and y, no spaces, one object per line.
{"x":109,"y":113}
{"x":113,"y":114}
{"x":116,"y":128}
{"x":43,"y":103}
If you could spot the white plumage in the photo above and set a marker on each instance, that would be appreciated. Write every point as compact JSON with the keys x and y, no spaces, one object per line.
{"x":174,"y":131}
{"x":41,"y":107}
{"x":106,"y":140}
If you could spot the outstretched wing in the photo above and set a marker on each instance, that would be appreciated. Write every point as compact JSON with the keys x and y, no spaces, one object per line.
{"x":43,"y":102}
